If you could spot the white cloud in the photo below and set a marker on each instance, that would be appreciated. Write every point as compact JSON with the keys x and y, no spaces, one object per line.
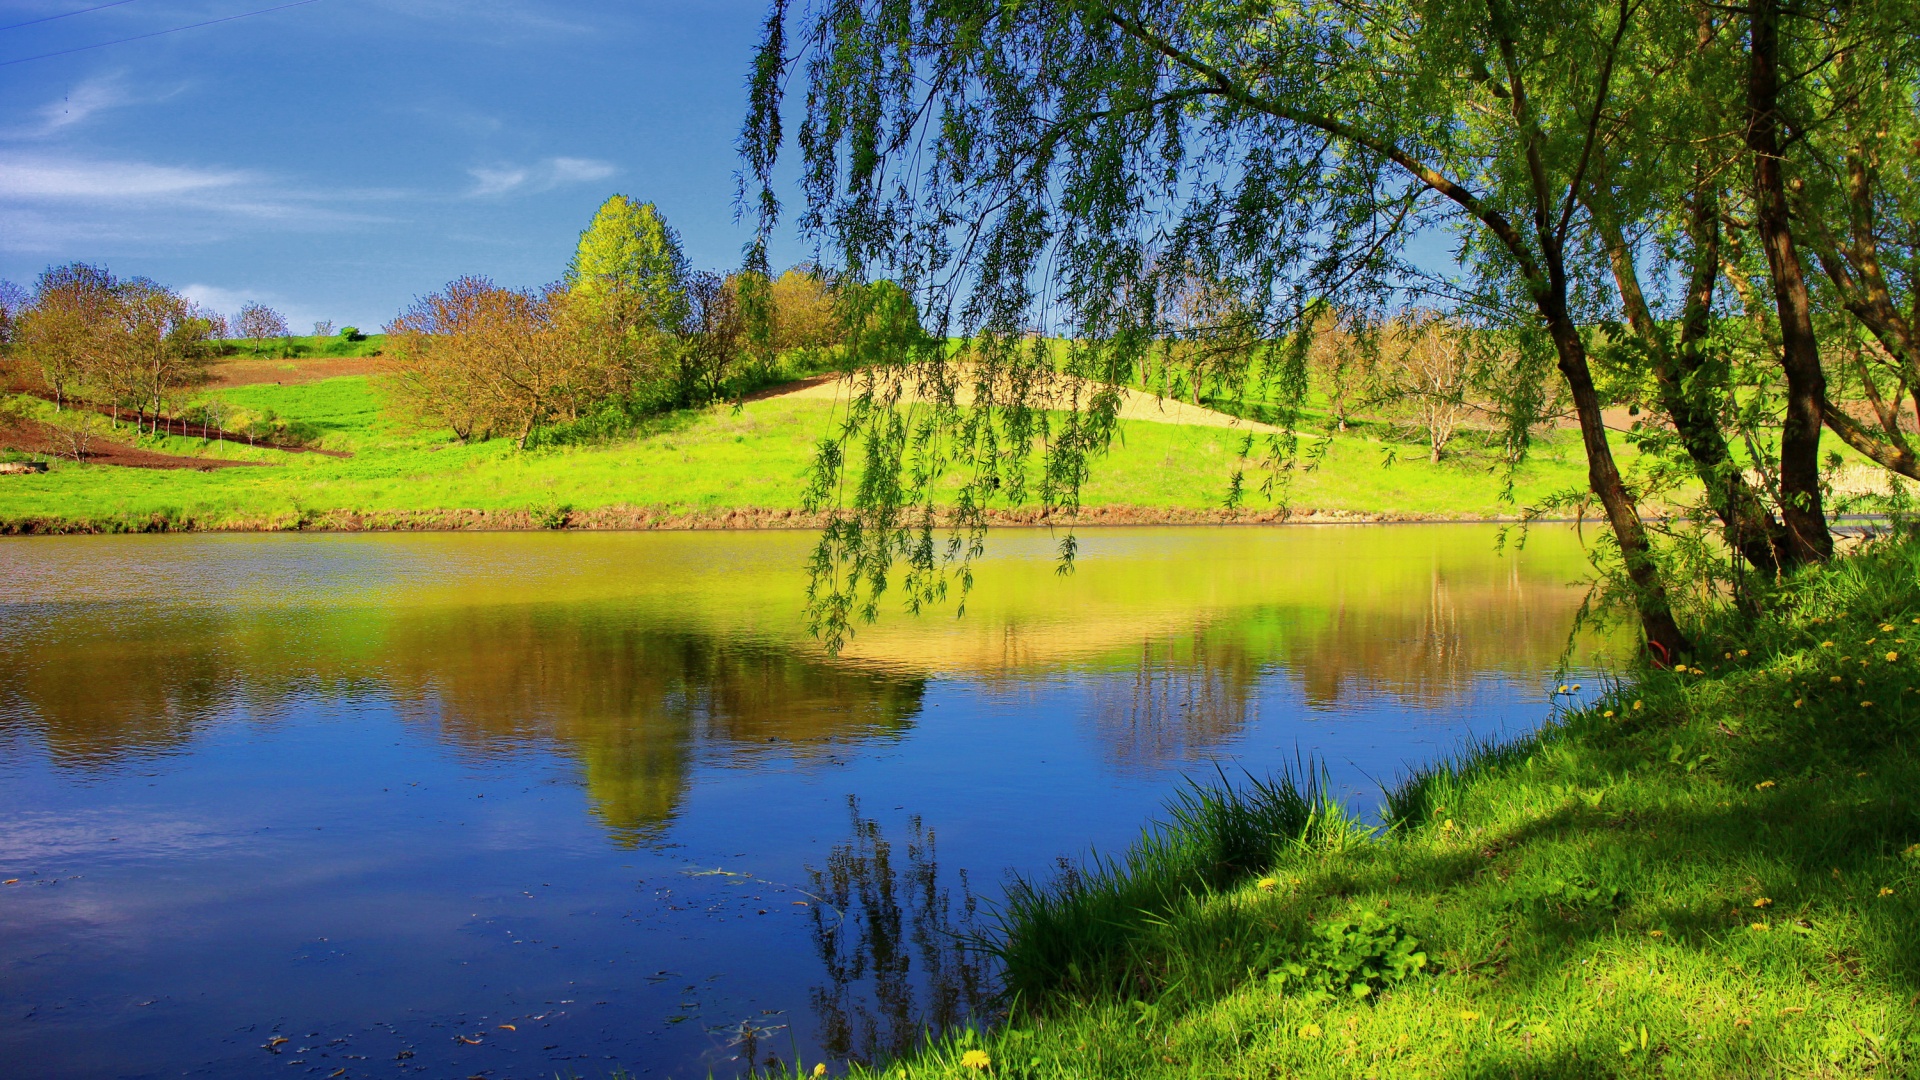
{"x":57,"y":180}
{"x":544,"y":176}
{"x":83,"y":101}
{"x":300,"y":317}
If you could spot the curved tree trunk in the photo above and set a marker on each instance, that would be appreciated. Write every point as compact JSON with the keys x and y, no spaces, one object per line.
{"x":1800,"y":503}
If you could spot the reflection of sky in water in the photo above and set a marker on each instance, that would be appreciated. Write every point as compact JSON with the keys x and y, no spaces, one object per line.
{"x":596,"y":788}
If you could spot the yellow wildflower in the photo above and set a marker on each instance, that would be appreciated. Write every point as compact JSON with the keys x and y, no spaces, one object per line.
{"x":1764,"y":784}
{"x":1826,"y":644}
{"x":1866,"y":704}
{"x":1563,"y":688}
{"x":1469,"y":1015}
{"x":1835,"y":678}
{"x":820,"y":1069}
{"x":1729,"y":656}
{"x":1884,"y":891}
{"x":1743,"y":652}
{"x":1886,"y":628}
{"x":975,"y":1059}
{"x":1759,"y":926}
{"x":1797,"y":702}
{"x":1763,"y":902}
{"x":1656,"y":933}
{"x":1309,"y":1031}
{"x":1636,"y":706}
{"x":1267,"y":884}
{"x":1447,"y":825}
{"x":1608,"y":714}
{"x":1892,"y":656}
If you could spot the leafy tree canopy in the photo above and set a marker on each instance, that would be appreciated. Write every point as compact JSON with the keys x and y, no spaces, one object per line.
{"x":630,"y":249}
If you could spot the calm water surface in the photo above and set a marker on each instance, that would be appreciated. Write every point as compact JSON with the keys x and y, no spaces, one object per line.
{"x":515,"y":805}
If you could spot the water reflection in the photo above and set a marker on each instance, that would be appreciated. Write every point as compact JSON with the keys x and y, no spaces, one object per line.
{"x":633,"y":704}
{"x":360,"y":716}
{"x":872,"y":920}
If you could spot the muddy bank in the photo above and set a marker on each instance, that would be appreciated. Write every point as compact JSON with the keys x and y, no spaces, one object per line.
{"x":657,"y":518}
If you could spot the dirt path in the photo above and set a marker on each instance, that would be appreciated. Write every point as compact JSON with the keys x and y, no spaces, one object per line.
{"x":35,"y":437}
{"x":1134,"y":404}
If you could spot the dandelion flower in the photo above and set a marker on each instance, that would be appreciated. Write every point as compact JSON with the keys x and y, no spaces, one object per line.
{"x":1797,"y":702}
{"x":1576,"y":688}
{"x":1763,"y":902}
{"x":1765,"y":784}
{"x":1729,"y":656}
{"x":1636,"y":706}
{"x":1563,"y":688}
{"x":1267,"y":884}
{"x":1309,"y":1031}
{"x":1743,"y":652}
{"x":1608,"y":714}
{"x":1447,"y":825}
{"x":1763,"y":927}
{"x":1835,"y":678}
{"x":1656,"y":933}
{"x":1892,"y":656}
{"x":820,"y":1069}
{"x":975,"y":1059}
{"x":1884,"y":891}
{"x":1866,"y":704}
{"x":1886,"y":628}
{"x":1826,"y":644}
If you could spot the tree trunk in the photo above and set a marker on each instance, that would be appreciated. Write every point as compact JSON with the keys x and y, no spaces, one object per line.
{"x":1603,"y":476}
{"x":1800,"y":505}
{"x":1750,"y":529}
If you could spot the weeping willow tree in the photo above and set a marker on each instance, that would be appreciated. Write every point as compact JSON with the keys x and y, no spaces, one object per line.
{"x":1047,"y":180}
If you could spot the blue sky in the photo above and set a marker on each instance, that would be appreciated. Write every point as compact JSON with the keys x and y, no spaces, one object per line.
{"x":337,"y":158}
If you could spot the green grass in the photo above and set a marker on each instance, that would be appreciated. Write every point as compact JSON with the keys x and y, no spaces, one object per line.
{"x":1713,"y":873}
{"x":690,"y":463}
{"x":307,"y":345}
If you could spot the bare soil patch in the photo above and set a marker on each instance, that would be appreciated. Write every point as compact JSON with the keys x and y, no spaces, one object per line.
{"x":256,"y":370}
{"x":1065,"y":393}
{"x":37,"y":437}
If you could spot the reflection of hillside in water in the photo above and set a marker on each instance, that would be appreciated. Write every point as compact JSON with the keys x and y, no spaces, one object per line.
{"x":634,"y":704}
{"x":636,"y":654}
{"x":1182,"y":695}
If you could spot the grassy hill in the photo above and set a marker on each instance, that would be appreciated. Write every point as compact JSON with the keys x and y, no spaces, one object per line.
{"x":695,"y":466}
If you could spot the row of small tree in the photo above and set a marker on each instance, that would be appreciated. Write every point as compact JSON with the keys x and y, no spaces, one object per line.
{"x":631,"y":329}
{"x":129,"y":344}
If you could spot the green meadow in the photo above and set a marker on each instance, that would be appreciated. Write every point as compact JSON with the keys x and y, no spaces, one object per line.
{"x":688,"y":464}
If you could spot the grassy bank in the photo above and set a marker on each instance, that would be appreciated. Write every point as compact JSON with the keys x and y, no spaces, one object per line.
{"x":1708,"y":873}
{"x":716,"y":466}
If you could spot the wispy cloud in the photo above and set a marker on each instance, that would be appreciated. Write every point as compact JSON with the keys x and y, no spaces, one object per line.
{"x":544,"y":176}
{"x":52,"y":201}
{"x":91,"y":96}
{"x":52,"y":179}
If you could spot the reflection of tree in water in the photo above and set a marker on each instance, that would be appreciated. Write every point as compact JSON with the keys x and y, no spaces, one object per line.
{"x":97,"y":697}
{"x":632,"y":703}
{"x":1182,"y":698}
{"x":875,"y":919}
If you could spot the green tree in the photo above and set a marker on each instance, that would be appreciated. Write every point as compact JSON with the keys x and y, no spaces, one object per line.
{"x":1093,"y":156}
{"x":630,"y":252}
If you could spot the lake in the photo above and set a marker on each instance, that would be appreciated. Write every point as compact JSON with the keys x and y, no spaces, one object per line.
{"x":519,"y":805}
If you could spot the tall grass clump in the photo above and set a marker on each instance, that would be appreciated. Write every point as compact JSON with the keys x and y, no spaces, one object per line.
{"x":1101,"y":928}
